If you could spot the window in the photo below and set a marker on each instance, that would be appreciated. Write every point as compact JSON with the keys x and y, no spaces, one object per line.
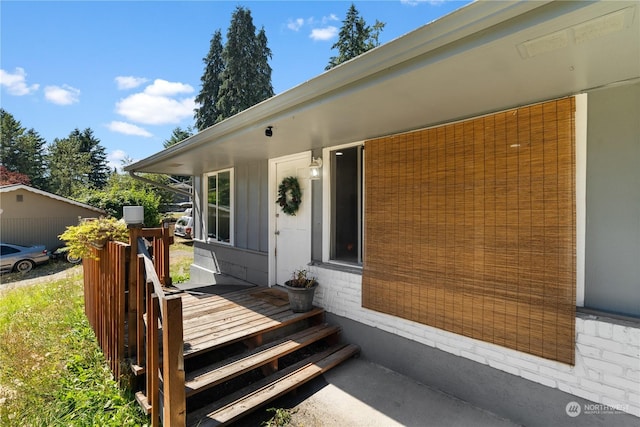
{"x":7,"y":250}
{"x":219,"y":211}
{"x":346,"y":205}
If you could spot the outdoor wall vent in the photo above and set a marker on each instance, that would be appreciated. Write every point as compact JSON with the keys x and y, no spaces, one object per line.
{"x":578,"y":34}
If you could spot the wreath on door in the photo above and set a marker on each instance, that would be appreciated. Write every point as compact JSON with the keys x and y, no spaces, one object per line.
{"x":289,"y":195}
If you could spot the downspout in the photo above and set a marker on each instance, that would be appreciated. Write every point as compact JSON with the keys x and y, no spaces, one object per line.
{"x":159,"y":185}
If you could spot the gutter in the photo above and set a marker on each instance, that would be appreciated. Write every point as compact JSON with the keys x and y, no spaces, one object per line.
{"x":159,"y":185}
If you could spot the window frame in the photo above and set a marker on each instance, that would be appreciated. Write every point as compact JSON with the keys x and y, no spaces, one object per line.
{"x":327,"y":198}
{"x":205,"y":210}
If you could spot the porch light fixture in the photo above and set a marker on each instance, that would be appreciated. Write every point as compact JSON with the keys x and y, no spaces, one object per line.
{"x":314,"y":168}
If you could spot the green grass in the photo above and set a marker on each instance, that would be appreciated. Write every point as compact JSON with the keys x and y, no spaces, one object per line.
{"x":52,"y":372}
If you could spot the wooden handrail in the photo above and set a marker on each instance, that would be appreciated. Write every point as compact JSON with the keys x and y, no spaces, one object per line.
{"x":165,"y":308}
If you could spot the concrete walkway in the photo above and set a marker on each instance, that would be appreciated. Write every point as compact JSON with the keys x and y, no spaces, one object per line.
{"x":359,"y":393}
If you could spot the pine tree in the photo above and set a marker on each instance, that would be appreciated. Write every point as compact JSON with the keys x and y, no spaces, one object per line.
{"x":11,"y":130}
{"x":246,"y":79}
{"x":32,"y":162}
{"x":68,"y":167}
{"x":206,"y":114}
{"x":21,"y":150}
{"x":177,"y":135}
{"x":98,"y":175}
{"x":355,"y":37}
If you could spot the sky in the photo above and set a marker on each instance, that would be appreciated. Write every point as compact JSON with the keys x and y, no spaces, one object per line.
{"x":130,"y":70}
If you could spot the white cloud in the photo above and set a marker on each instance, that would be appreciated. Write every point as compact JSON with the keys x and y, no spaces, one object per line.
{"x":129,"y":82}
{"x":128,"y":129}
{"x":295,"y":24}
{"x":323,"y":34}
{"x":164,"y":88}
{"x":331,"y":18}
{"x":155,"y":110}
{"x":115,"y":158}
{"x":16,"y":83}
{"x":62,"y":95}
{"x":157,"y":105}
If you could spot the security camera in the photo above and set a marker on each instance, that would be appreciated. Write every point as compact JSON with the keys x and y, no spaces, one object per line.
{"x":268,"y":131}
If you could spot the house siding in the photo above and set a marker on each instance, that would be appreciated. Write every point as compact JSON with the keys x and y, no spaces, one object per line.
{"x":613,"y":201}
{"x":607,"y":359}
{"x":607,"y":351}
{"x":247,"y":258}
{"x":37,"y":219}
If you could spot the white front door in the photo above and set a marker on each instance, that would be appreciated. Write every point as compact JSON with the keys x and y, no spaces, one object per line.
{"x":291,"y":234}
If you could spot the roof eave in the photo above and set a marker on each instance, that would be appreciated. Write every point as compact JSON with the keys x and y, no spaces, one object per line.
{"x":463,"y":22}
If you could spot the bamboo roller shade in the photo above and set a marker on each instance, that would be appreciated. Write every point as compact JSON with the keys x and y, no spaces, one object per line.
{"x":470,"y":228}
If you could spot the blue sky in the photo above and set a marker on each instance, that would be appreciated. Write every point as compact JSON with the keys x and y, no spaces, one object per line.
{"x":130,"y":70}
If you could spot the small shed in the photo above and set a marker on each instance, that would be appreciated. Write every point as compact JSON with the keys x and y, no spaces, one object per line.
{"x":29,"y":216}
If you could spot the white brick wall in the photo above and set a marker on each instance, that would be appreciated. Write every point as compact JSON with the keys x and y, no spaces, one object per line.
{"x":607,"y":368}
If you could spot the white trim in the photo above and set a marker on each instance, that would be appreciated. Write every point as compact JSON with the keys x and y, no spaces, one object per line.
{"x":326,"y":203}
{"x":272,"y":186}
{"x":205,"y":206}
{"x":581,"y":194}
{"x":10,"y":188}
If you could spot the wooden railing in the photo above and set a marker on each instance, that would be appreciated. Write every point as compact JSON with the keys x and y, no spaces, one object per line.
{"x":104,"y":300}
{"x":162,"y":307}
{"x":119,"y":320}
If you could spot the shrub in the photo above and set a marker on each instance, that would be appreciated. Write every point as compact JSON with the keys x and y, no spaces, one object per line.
{"x":114,"y":200}
{"x":93,"y":233}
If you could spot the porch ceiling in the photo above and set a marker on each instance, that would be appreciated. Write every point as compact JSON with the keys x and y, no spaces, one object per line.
{"x":485,"y":57}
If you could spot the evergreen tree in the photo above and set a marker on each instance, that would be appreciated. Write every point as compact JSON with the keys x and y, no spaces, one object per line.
{"x":98,"y":174}
{"x":177,"y":135}
{"x":11,"y":130}
{"x":22,"y":150}
{"x":246,"y":79}
{"x":206,"y":113}
{"x":355,"y":37}
{"x":32,"y":162}
{"x":69,"y":167}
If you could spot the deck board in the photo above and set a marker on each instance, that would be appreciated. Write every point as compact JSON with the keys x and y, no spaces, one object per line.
{"x":212,"y":321}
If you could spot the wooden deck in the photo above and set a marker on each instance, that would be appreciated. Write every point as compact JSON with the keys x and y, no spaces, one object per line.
{"x":213,"y":321}
{"x":246,"y":333}
{"x":204,"y":356}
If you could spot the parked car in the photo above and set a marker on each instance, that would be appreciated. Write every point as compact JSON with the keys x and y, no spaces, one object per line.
{"x":21,"y":258}
{"x":184,"y":227}
{"x":62,"y":252}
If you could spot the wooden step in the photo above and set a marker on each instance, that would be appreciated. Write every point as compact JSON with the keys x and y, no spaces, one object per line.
{"x":212,"y":375}
{"x":223,"y":334}
{"x":255,"y":395}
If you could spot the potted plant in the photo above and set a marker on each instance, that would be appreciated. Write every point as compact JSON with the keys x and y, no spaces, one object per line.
{"x":301,"y":289}
{"x":93,"y":233}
